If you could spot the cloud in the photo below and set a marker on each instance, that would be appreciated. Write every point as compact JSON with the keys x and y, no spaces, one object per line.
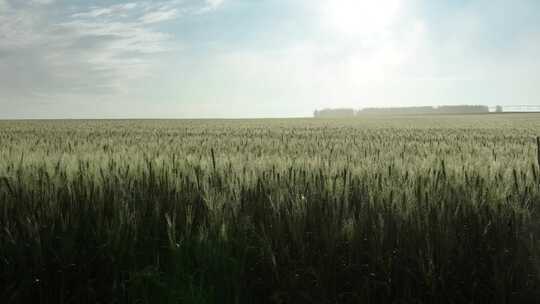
{"x":209,"y":6}
{"x":214,"y":3}
{"x":43,"y":1}
{"x":120,"y":10}
{"x":405,"y":56}
{"x":293,"y":57}
{"x":159,"y":16}
{"x":361,"y":18}
{"x":50,"y":50}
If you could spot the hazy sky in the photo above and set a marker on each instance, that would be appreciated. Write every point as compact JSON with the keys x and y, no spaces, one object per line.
{"x":262,"y":58}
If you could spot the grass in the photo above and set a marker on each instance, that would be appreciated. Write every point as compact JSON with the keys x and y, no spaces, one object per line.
{"x":375,"y":210}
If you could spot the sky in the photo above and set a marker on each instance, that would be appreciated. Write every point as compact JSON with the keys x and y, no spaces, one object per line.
{"x":262,"y":58}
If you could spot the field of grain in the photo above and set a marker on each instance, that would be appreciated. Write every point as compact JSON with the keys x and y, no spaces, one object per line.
{"x":409,"y":209}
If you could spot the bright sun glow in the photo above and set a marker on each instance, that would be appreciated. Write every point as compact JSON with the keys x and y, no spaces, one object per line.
{"x":360,"y":17}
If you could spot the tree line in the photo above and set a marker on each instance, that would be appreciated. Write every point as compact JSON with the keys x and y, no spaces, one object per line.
{"x":349,"y":112}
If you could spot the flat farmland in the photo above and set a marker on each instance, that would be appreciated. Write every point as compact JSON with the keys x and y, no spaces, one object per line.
{"x":374,"y":209}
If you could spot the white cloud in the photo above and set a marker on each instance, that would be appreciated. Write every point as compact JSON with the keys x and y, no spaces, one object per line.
{"x":3,"y":5}
{"x":18,"y":29}
{"x":97,"y":50}
{"x":210,"y":5}
{"x":118,"y":10}
{"x":214,"y":3}
{"x":363,"y":55}
{"x":360,"y":17}
{"x":43,"y":1}
{"x":159,"y":16}
{"x":348,"y":53}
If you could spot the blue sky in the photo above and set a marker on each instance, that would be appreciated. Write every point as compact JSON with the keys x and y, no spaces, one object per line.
{"x":262,"y":58}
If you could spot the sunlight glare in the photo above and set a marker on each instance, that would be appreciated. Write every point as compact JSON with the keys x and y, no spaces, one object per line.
{"x":360,"y":17}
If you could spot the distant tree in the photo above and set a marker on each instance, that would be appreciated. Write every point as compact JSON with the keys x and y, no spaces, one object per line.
{"x":462,"y":109}
{"x":398,"y":110}
{"x":498,"y":109}
{"x":332,"y":113}
{"x":448,"y":109}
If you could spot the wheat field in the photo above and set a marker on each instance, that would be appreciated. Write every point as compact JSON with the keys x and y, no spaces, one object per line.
{"x":378,"y":209}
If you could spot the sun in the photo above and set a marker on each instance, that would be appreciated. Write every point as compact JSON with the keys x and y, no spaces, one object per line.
{"x":359,"y":17}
